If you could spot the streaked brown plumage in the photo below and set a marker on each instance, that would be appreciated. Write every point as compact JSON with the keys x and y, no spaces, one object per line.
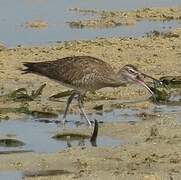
{"x":85,"y":73}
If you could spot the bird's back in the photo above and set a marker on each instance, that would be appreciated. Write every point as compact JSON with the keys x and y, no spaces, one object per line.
{"x":79,"y":72}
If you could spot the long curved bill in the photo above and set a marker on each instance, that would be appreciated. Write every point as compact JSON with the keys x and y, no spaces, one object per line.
{"x":142,"y":83}
{"x":156,"y":80}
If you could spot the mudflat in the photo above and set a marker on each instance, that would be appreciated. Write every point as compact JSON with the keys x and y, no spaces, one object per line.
{"x":152,"y":146}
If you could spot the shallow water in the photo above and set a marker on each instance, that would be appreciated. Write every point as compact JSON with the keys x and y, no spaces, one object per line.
{"x":37,"y":136}
{"x":114,"y":115}
{"x":13,"y":29}
{"x":18,"y":175}
{"x":37,"y":133}
{"x":10,"y":175}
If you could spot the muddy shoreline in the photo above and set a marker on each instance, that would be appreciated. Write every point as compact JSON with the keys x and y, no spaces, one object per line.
{"x":152,"y":151}
{"x":107,"y":19}
{"x":157,"y":54}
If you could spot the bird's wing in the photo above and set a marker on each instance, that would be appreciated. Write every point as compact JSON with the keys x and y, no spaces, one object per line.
{"x":79,"y":71}
{"x":85,"y":72}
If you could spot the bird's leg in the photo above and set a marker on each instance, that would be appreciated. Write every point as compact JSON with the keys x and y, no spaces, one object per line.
{"x":80,"y":102}
{"x":67,"y":105}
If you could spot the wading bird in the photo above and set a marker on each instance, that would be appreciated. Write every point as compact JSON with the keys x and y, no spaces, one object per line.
{"x":85,"y":73}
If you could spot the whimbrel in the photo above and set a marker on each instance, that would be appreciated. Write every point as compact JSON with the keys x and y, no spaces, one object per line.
{"x":86,"y":73}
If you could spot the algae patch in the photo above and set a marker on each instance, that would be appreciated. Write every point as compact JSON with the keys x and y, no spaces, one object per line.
{"x":11,"y":143}
{"x":21,"y":94}
{"x":168,"y":87}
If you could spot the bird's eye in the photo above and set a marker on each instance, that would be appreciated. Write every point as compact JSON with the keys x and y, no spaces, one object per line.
{"x":131,"y":71}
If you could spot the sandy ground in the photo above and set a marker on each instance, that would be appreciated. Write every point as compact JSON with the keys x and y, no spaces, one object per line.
{"x":152,"y":151}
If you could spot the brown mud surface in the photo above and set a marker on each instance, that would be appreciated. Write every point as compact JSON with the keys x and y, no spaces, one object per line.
{"x":156,"y":54}
{"x":153,"y":148}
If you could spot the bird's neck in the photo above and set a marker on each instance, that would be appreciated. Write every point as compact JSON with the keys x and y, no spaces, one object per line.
{"x":119,"y":80}
{"x":116,"y":81}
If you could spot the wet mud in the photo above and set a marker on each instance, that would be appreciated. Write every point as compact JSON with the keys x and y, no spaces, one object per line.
{"x":148,"y":132}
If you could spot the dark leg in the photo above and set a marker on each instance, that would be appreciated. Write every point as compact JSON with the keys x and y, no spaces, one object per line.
{"x":67,"y":106}
{"x":80,"y":102}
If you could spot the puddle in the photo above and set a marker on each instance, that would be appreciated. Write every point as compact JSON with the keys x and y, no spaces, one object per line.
{"x":37,"y":137}
{"x":117,"y":115}
{"x":14,"y":31}
{"x":167,"y":109}
{"x":6,"y":175}
{"x":45,"y":173}
{"x":18,"y":175}
{"x":171,"y":108}
{"x":35,"y":134}
{"x":101,"y":141}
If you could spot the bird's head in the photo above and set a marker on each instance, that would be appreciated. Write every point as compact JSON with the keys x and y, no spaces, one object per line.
{"x":130,"y":74}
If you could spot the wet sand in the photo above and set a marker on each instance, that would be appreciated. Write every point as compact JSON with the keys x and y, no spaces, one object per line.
{"x":152,"y":151}
{"x":157,"y":55}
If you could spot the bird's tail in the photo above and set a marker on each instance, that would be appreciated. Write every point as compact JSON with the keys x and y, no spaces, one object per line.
{"x":29,"y":67}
